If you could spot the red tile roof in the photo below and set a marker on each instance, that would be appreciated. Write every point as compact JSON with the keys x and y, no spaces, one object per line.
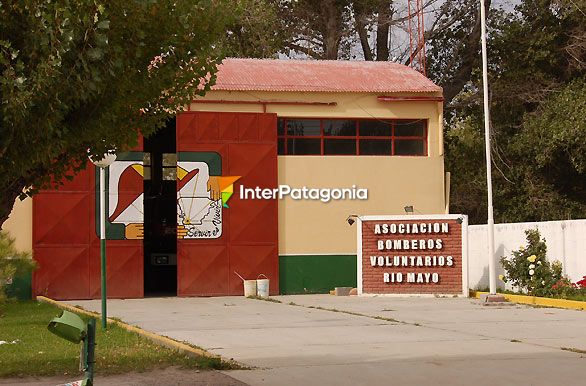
{"x":320,"y":76}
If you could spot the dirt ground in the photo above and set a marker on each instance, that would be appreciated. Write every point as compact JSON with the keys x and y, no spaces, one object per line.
{"x":168,"y":377}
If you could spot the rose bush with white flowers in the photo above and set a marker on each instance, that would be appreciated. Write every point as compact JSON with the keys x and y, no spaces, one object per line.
{"x":528,"y":270}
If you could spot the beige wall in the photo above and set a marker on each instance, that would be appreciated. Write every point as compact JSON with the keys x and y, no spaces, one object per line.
{"x":393,"y":182}
{"x":20,"y":225}
{"x":314,"y":227}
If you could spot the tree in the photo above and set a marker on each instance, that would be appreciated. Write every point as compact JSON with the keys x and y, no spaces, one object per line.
{"x":537,"y":80}
{"x":317,"y":29}
{"x":374,"y":15}
{"x":256,"y":31}
{"x":87,"y":74}
{"x":372,"y":29}
{"x":454,"y":40}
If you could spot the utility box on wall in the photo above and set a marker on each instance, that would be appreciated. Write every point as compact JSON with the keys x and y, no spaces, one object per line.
{"x":412,"y":255}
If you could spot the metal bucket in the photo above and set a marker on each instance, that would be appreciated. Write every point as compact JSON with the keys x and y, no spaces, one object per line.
{"x":249,"y":288}
{"x":262,"y":287}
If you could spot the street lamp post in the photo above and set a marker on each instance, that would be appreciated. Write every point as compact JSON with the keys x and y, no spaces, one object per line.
{"x":490,"y":219}
{"x":102,"y":164}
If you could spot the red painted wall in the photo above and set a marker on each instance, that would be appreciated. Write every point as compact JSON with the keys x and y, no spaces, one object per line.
{"x":247,"y":143}
{"x":67,"y":248}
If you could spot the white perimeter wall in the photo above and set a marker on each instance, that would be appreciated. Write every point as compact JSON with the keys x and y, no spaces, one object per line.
{"x":566,"y":242}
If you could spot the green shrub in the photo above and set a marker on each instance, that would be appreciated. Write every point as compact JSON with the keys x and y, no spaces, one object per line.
{"x":12,"y":263}
{"x":528,"y":269}
{"x":564,"y":289}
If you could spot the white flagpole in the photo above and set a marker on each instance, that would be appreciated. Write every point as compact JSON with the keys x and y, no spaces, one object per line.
{"x":490,"y":221}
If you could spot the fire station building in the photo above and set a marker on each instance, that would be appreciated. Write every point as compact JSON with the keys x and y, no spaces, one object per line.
{"x":257,"y":177}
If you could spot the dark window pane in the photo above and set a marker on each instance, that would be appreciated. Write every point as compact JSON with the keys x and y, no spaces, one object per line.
{"x":375,"y":128}
{"x":169,"y":173}
{"x":303,"y":127}
{"x":339,"y":127}
{"x":411,"y":128}
{"x":281,"y":146}
{"x":281,"y":126}
{"x":340,"y":146}
{"x":375,"y":146}
{"x":169,"y":159}
{"x":300,"y":146}
{"x":409,"y":147}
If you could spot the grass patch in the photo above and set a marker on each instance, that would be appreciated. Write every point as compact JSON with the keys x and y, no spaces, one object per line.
{"x":39,"y":352}
{"x":572,"y":349}
{"x":580,"y":297}
{"x":386,"y":319}
{"x":269,"y":299}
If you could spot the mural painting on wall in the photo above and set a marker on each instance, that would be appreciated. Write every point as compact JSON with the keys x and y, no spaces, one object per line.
{"x":201,"y":194}
{"x":125,"y":197}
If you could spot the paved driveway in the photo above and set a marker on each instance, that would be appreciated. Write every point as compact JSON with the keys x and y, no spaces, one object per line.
{"x":328,"y":340}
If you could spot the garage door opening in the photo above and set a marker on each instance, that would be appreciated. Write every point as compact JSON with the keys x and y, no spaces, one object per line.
{"x":160,"y":213}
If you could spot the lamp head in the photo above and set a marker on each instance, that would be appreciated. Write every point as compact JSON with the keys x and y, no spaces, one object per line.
{"x":106,"y":160}
{"x":68,"y":326}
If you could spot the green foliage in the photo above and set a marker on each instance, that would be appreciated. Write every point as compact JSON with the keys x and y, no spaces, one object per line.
{"x":94,"y":74}
{"x":537,"y":79}
{"x":12,"y":263}
{"x":558,"y":130}
{"x":464,"y":146}
{"x":256,"y":32}
{"x":528,"y":268}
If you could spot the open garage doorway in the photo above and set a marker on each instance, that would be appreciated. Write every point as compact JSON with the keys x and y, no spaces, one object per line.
{"x":160,"y":213}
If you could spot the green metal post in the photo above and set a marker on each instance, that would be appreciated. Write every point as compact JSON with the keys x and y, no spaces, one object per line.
{"x":89,"y":350}
{"x":103,"y":242}
{"x":103,"y":265}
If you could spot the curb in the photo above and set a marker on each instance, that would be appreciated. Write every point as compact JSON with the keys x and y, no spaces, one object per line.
{"x":158,"y":339}
{"x":538,"y":301}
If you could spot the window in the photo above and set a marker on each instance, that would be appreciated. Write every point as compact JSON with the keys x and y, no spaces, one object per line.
{"x":169,"y":166}
{"x":401,"y":137}
{"x":146,"y":163}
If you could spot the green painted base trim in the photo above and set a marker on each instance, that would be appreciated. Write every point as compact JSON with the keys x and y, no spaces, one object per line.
{"x":316,"y":274}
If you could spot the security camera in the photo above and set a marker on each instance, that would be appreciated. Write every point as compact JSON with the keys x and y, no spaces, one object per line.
{"x":351,"y":219}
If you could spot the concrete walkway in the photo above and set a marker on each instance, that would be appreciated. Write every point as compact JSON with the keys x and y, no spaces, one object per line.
{"x":328,"y":340}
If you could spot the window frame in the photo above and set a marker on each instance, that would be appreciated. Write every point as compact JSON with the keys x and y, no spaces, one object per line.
{"x":285,"y":137}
